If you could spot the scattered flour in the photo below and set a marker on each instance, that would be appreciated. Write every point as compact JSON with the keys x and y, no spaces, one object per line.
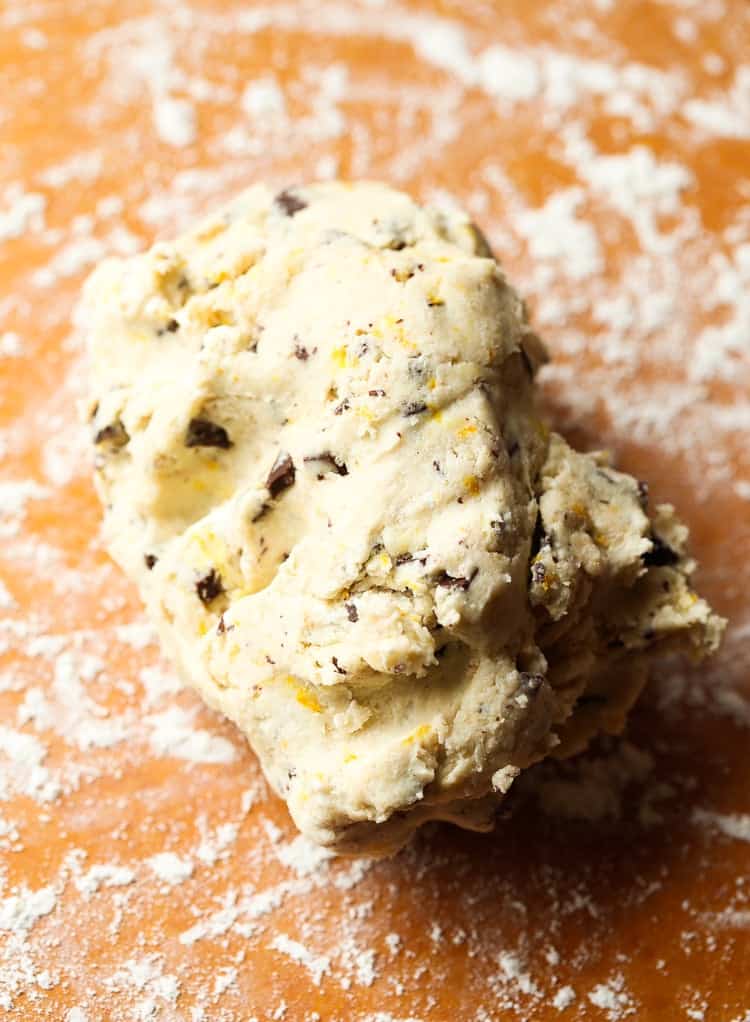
{"x":20,"y":212}
{"x":613,"y":239}
{"x":317,"y":965}
{"x":172,"y":734}
{"x":171,"y":868}
{"x":175,"y":121}
{"x":564,"y":998}
{"x":104,"y":874}
{"x":20,"y":912}
{"x":734,"y":825}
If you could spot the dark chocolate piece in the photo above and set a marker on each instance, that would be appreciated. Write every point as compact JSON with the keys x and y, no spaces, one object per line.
{"x":351,"y":612}
{"x":290,"y":202}
{"x":456,"y":581}
{"x":339,"y":668}
{"x":150,"y":560}
{"x":414,"y":408}
{"x":660,"y":555}
{"x":336,"y":464}
{"x":209,"y":586}
{"x":114,"y":433}
{"x":204,"y":433}
{"x":282,"y":474}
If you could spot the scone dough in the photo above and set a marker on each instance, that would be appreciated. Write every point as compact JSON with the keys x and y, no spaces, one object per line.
{"x":321,"y":462}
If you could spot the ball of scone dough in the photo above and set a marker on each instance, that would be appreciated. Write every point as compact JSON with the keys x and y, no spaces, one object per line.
{"x":321,"y":462}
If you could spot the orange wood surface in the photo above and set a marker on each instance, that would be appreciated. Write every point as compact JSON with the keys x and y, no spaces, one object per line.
{"x":605,"y":149}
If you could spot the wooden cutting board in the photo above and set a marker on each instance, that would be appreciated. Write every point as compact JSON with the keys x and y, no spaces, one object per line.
{"x":146,"y":871}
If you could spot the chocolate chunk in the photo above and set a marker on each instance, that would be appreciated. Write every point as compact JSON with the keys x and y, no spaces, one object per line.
{"x":351,"y":612}
{"x":414,"y":408}
{"x":660,"y":555}
{"x":376,"y":393}
{"x":301,"y":352}
{"x":339,"y":668}
{"x":456,"y":581}
{"x":150,"y":560}
{"x":342,"y":407}
{"x":282,"y":474}
{"x":290,"y":202}
{"x":204,"y":433}
{"x":114,"y":433}
{"x":336,"y":464}
{"x":171,"y":326}
{"x":221,"y":627}
{"x":209,"y":586}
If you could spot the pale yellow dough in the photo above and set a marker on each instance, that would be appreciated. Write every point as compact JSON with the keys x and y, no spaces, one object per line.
{"x":321,"y":463}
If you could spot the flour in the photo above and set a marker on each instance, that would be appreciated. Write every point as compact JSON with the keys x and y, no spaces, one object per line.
{"x":733,"y":825}
{"x":264,"y":99}
{"x":171,"y":868}
{"x":22,"y":769}
{"x":20,"y":912}
{"x":612,"y":998}
{"x":555,"y":232}
{"x":20,"y":212}
{"x":317,"y":965}
{"x":10,"y":345}
{"x":172,"y":734}
{"x":103,"y":875}
{"x":175,"y":121}
{"x":624,"y":270}
{"x":564,"y":998}
{"x":14,"y":498}
{"x":303,"y":857}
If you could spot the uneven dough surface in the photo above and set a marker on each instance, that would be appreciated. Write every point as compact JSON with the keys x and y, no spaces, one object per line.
{"x":321,"y":462}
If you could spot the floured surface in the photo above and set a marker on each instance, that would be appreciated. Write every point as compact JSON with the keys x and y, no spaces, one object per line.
{"x":604,"y":151}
